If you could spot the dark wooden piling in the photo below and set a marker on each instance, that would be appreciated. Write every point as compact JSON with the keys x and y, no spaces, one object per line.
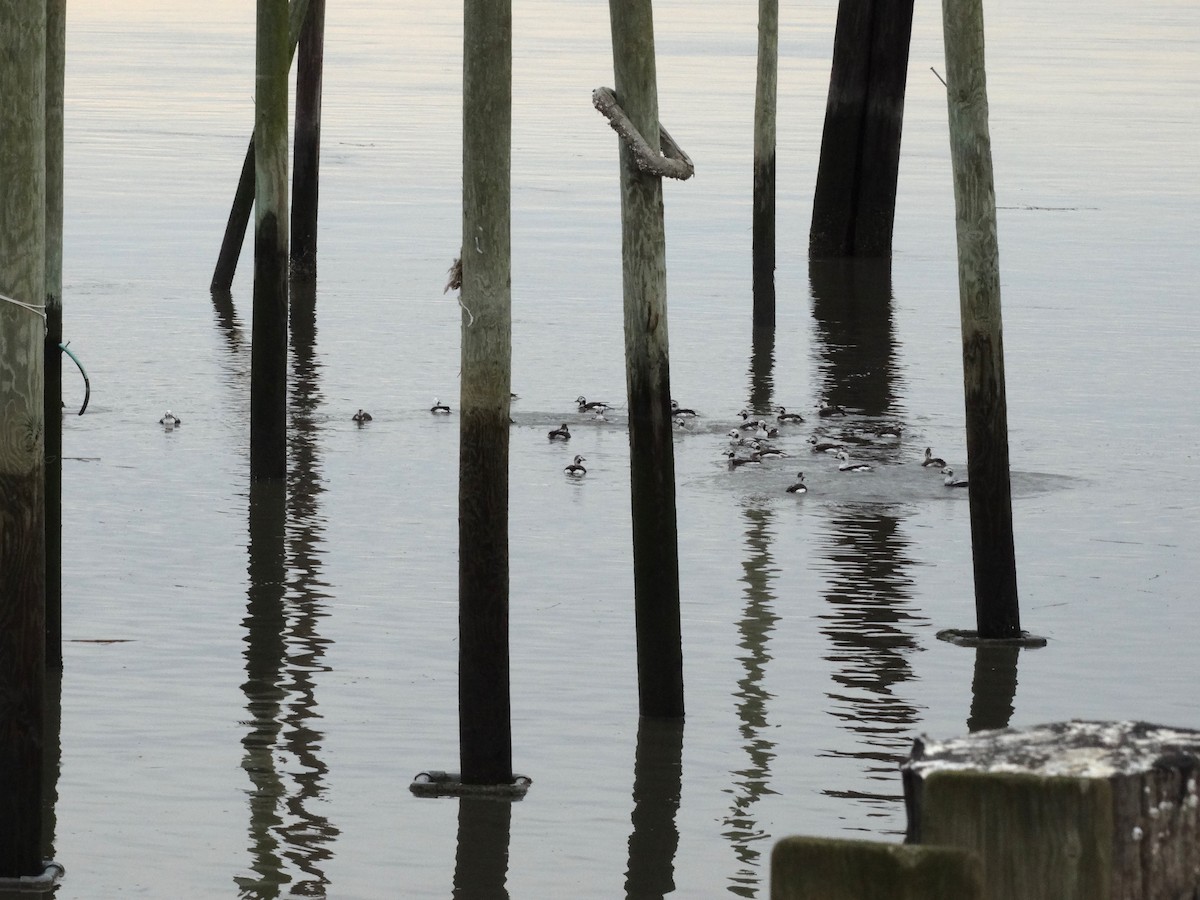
{"x":22,"y":429}
{"x":56,"y":58}
{"x":855,"y":199}
{"x":485,"y":727}
{"x":306,"y":154}
{"x":243,"y":197}
{"x":996,"y":609}
{"x":268,"y":355}
{"x":647,"y":374}
{"x":763,"y":224}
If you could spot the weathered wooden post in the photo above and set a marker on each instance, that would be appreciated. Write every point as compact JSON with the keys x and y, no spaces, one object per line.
{"x":647,"y":371}
{"x":306,"y":155}
{"x":990,"y":490}
{"x":485,"y":727}
{"x":243,"y":198}
{"x":763,"y":225}
{"x":1065,"y":811}
{"x":855,"y":199}
{"x":22,"y":427}
{"x":268,"y":355}
{"x":56,"y":59}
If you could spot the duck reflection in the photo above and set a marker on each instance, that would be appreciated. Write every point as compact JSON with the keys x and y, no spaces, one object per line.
{"x":289,"y":840}
{"x":755,"y":626}
{"x":657,"y":785}
{"x":870,"y":627}
{"x":481,"y":864}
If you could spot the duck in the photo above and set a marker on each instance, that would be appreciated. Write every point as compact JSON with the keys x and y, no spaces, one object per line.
{"x":736,"y":461}
{"x":735,"y":437}
{"x":950,"y":480}
{"x":747,"y":422}
{"x":826,"y":409}
{"x":766,"y":451}
{"x":560,"y":434}
{"x":585,"y":406}
{"x":682,"y":411}
{"x":765,"y":431}
{"x":576,"y":468}
{"x":825,"y":446}
{"x":439,"y":408}
{"x":799,"y":487}
{"x":170,"y":420}
{"x":931,"y":460}
{"x":360,"y":417}
{"x":891,"y":430}
{"x":848,"y":466}
{"x":785,"y":416}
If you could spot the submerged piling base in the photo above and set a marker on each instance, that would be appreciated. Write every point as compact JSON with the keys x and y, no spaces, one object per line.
{"x":434,"y":783}
{"x":965,"y":638}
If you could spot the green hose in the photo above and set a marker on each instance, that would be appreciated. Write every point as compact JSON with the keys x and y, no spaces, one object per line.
{"x":87,"y":385}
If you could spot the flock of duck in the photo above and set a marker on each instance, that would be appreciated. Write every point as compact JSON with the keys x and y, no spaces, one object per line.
{"x":750,"y":441}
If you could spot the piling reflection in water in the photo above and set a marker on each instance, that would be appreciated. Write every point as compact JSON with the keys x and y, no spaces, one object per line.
{"x":481,"y":863}
{"x":870,"y":627}
{"x":993,"y":687}
{"x":657,"y":785}
{"x":852,"y":309}
{"x":285,"y":602}
{"x":755,"y":627}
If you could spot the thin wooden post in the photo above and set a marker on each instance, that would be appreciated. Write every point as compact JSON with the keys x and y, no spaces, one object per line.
{"x":485,"y":727}
{"x":763,"y":225}
{"x":22,"y":428}
{"x":268,"y":355}
{"x":855,"y":198}
{"x":647,"y":375}
{"x":243,"y":197}
{"x":56,"y":58}
{"x":306,"y":155}
{"x":992,"y":552}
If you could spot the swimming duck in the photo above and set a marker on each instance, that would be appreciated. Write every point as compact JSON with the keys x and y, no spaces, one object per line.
{"x":785,"y":416}
{"x":891,"y":430}
{"x":735,"y":461}
{"x":682,"y":411}
{"x":825,"y":446}
{"x":931,"y":460}
{"x":560,"y":434}
{"x":735,"y":437}
{"x":360,"y":417}
{"x":827,"y":409}
{"x":764,"y":431}
{"x":170,"y":420}
{"x":799,"y":487}
{"x":439,"y":408}
{"x":585,"y":406}
{"x":766,"y":451}
{"x":576,"y":468}
{"x":848,"y":466}
{"x":748,"y":423}
{"x":951,"y":481}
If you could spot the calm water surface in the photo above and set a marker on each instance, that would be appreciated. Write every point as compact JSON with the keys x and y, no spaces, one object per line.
{"x":284,"y":663}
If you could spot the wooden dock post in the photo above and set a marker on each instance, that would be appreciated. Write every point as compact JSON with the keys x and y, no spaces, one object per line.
{"x":306,"y":155}
{"x":1066,"y":811}
{"x":996,"y":609}
{"x":647,"y":373}
{"x":56,"y":59}
{"x":485,"y":726}
{"x":22,"y":429}
{"x":855,"y":200}
{"x":268,"y":355}
{"x":243,"y":197}
{"x":763,"y":225}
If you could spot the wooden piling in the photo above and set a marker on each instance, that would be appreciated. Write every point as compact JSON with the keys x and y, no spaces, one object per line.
{"x":22,"y":428}
{"x":855,"y":199}
{"x":243,"y":198}
{"x":763,"y":224}
{"x":268,"y":355}
{"x":990,"y":490}
{"x":306,"y":154}
{"x":647,"y":374}
{"x":485,"y":727}
{"x":56,"y":57}
{"x":1065,"y":811}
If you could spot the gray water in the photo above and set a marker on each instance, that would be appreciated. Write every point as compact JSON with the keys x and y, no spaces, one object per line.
{"x":246,"y":699}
